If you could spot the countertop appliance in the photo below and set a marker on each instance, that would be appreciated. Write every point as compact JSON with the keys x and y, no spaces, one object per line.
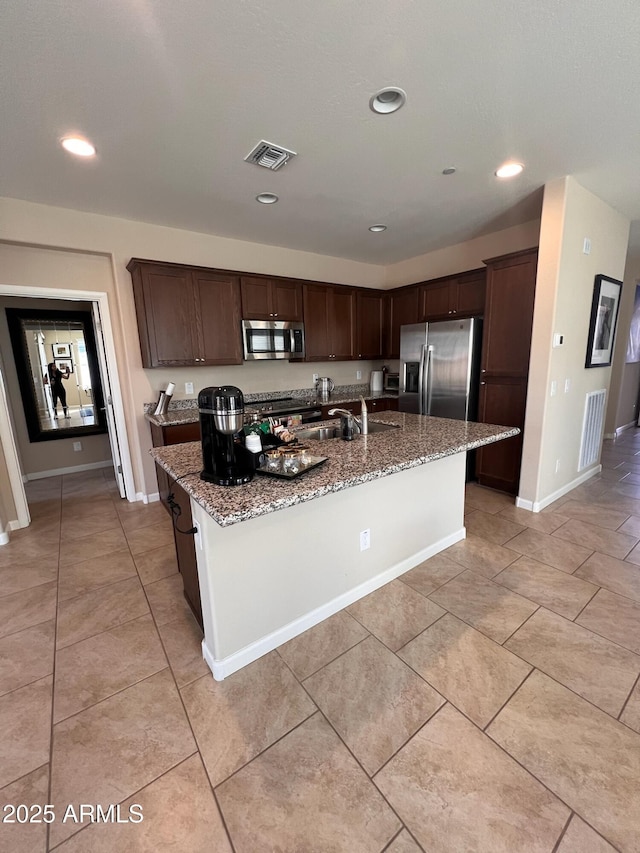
{"x":439,"y":368}
{"x":376,"y":381}
{"x":391,"y":381}
{"x":324,"y":387}
{"x":266,"y":339}
{"x":226,"y":461}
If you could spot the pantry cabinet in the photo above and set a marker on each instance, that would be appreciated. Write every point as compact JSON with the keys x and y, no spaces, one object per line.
{"x":270,"y":298}
{"x":186,"y":315}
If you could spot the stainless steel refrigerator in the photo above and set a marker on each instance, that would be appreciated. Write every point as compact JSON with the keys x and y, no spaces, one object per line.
{"x":439,"y":366}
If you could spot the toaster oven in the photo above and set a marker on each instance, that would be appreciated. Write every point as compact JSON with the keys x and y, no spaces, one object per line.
{"x":392,"y":382}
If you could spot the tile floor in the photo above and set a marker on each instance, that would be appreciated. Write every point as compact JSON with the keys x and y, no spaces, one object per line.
{"x":486,"y":701}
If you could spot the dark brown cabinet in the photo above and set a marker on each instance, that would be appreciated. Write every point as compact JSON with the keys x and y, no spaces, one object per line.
{"x":161,"y":436}
{"x":382,"y":404}
{"x":270,"y":298}
{"x":329,"y":319}
{"x":508,"y":319}
{"x":455,"y":296}
{"x":370,"y":324}
{"x":402,"y":309}
{"x":186,"y":315}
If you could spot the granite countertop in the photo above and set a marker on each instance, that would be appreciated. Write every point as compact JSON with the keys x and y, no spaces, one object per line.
{"x":186,"y":411}
{"x":418,"y":440}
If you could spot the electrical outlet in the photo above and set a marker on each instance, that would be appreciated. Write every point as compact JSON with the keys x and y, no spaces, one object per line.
{"x":365,"y":539}
{"x":586,"y":246}
{"x":358,"y":374}
{"x":188,"y":387}
{"x":315,"y":377}
{"x":77,"y":445}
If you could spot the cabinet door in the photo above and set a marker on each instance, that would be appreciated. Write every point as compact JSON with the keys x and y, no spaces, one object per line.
{"x":286,"y":299}
{"x":436,"y":301}
{"x":256,"y":298}
{"x":165,"y":309}
{"x":369,"y":324}
{"x":342,"y":320}
{"x":470,"y":295}
{"x":186,"y":551}
{"x":502,"y":401}
{"x":218,"y":319}
{"x":317,"y":299}
{"x":403,"y":310}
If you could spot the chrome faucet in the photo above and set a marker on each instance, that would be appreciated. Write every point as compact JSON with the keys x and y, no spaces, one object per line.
{"x":349,"y":423}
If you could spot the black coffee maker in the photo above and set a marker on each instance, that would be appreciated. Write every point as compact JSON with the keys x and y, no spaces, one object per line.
{"x":226,"y":461}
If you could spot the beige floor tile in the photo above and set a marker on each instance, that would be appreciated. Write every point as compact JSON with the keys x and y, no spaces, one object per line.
{"x":589,"y":760}
{"x":631,"y":526}
{"x":148,"y":538}
{"x":75,"y":527}
{"x":556,"y":590}
{"x":87,"y":547}
{"x":166,"y":599}
{"x":25,"y":723}
{"x":455,"y":790}
{"x":235,"y":719}
{"x":30,"y":790}
{"x":629,"y":491}
{"x":580,"y":838}
{"x":485,"y":558}
{"x":83,"y":507}
{"x":157,"y":564}
{"x":612,"y":475}
{"x":431,"y":574}
{"x":29,"y":547}
{"x":100,"y":666}
{"x":555,"y":552}
{"x":373,"y":701}
{"x":319,"y":645}
{"x":96,"y":572}
{"x":632,"y":479}
{"x":470,"y":670}
{"x":26,"y":656}
{"x":634,"y":556}
{"x":631,"y":714}
{"x":183,"y":646}
{"x":142,"y":515}
{"x":99,"y":610}
{"x":493,"y":528}
{"x":615,"y":575}
{"x":596,"y":538}
{"x":591,"y":514}
{"x":111,"y":750}
{"x":614,"y":617}
{"x":27,"y":608}
{"x":403,"y":843}
{"x":490,"y":608}
{"x":395,"y":613}
{"x":546,"y":522}
{"x":179,"y":814}
{"x":14,"y":578}
{"x":485,"y":499}
{"x":306,"y":793}
{"x":588,"y":664}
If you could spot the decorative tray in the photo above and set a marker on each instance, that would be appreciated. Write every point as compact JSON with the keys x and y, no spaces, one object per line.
{"x":314,"y":461}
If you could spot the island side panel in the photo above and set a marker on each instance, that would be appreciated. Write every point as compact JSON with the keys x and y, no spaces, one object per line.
{"x":266,"y":580}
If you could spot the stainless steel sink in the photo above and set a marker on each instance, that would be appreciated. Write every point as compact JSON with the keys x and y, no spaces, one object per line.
{"x":326,"y":432}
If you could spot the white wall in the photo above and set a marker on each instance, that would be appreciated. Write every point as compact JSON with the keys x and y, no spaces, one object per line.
{"x":564,"y":290}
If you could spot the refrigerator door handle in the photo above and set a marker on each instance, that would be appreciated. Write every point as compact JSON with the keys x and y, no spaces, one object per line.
{"x":421,"y":381}
{"x":428,"y":380}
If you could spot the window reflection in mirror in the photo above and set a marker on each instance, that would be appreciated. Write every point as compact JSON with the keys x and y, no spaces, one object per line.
{"x":57,"y":368}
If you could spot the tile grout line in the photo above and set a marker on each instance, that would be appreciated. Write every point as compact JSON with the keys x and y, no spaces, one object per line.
{"x":626,"y":702}
{"x":582,"y":609}
{"x":562,"y":834}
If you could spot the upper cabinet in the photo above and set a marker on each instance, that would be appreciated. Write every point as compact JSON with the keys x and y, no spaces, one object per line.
{"x":270,"y":298}
{"x":370,"y":305}
{"x":186,"y":315}
{"x":402,"y":309}
{"x":455,"y":296}
{"x":329,"y":322}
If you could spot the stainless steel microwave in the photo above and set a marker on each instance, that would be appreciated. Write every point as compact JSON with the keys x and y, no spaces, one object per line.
{"x":263,"y":339}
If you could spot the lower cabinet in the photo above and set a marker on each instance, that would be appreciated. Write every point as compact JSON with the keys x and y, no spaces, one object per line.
{"x":161,"y":436}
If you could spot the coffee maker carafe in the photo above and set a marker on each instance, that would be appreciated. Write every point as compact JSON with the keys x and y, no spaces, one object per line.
{"x":226,"y":461}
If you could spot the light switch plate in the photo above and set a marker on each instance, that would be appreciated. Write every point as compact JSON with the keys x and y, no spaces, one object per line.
{"x":188,"y":387}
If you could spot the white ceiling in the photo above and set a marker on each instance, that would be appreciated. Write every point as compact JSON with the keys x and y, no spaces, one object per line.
{"x":175,"y":94}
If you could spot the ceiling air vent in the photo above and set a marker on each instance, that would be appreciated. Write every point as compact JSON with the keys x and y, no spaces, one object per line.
{"x":269,"y":155}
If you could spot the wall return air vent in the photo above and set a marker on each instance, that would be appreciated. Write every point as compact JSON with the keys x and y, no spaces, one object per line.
{"x":269,"y":155}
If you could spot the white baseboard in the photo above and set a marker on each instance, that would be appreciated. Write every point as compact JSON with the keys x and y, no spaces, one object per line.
{"x":234,"y":662}
{"x":148,"y":499}
{"x":4,"y":538}
{"x":17,"y":525}
{"x":537,"y":506}
{"x":74,"y":469}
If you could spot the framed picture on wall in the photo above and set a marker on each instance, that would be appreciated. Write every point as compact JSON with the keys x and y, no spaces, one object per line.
{"x":64,"y":364}
{"x":604,"y":316}
{"x":61,"y":350}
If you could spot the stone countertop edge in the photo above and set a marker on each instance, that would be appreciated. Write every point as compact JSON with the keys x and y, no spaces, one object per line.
{"x":186,"y":411}
{"x":418,"y":441}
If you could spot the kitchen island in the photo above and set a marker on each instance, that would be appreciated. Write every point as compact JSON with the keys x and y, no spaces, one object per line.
{"x":276,"y":557}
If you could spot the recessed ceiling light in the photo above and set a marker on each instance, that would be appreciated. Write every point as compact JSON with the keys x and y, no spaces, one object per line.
{"x":267,"y":198}
{"x":388,"y":100}
{"x":377,"y":228}
{"x":450,"y":170}
{"x":78,"y":146}
{"x":509,"y":170}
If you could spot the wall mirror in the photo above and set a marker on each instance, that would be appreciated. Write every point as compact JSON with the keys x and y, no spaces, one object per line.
{"x":57,"y":366}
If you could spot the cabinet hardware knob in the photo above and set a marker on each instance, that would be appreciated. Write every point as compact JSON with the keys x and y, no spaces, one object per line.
{"x":483,"y":370}
{"x":483,"y":383}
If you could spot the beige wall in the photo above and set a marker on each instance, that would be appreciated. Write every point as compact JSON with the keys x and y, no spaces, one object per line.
{"x":625,"y":378}
{"x":40,"y":456}
{"x":564,"y":292}
{"x":7,"y":507}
